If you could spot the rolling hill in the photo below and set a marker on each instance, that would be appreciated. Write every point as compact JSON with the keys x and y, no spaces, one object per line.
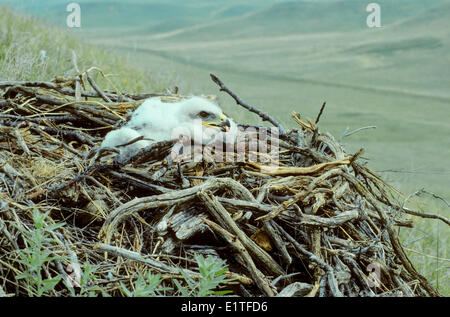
{"x":388,"y":58}
{"x":209,"y":20}
{"x":299,"y":17}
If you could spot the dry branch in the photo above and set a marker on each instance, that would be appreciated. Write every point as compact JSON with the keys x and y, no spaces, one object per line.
{"x":239,"y":101}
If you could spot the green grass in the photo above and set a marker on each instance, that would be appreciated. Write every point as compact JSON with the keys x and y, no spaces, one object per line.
{"x":23,"y":38}
{"x":212,"y":271}
{"x":213,"y":274}
{"x":37,"y":255}
{"x":33,"y":261}
{"x":427,"y":244}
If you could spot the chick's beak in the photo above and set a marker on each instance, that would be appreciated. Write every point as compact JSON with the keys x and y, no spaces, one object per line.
{"x":223,"y":123}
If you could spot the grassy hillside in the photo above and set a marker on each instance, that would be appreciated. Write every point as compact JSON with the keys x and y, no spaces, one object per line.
{"x":23,"y":38}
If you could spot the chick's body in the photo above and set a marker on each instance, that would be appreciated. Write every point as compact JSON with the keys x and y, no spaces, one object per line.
{"x":196,"y":117}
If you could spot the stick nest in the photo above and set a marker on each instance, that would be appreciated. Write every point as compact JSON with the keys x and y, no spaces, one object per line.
{"x":322,"y":224}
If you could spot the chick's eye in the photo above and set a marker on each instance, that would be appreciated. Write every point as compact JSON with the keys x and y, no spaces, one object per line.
{"x":204,"y":114}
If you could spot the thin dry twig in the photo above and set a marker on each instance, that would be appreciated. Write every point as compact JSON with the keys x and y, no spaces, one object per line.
{"x":320,"y":113}
{"x":240,"y":102}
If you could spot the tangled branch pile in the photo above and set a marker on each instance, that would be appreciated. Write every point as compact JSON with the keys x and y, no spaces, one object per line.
{"x":322,"y":224}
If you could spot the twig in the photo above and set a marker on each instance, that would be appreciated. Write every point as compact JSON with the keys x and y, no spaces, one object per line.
{"x":77,"y":81}
{"x":138,"y":183}
{"x":436,"y":196}
{"x":41,"y":131}
{"x":71,"y":92}
{"x":48,"y":117}
{"x":21,"y":142}
{"x":234,"y":242}
{"x":295,"y":289}
{"x":3,"y":294}
{"x":78,"y":135}
{"x":320,"y":112}
{"x":74,"y":107}
{"x":422,"y":214}
{"x":42,"y":84}
{"x":321,"y":263}
{"x":59,"y":187}
{"x":224,"y":218}
{"x":427,"y":255}
{"x":414,"y":172}
{"x":175,"y":197}
{"x":240,"y":102}
{"x":346,"y":133}
{"x":139,"y":138}
{"x":283,"y":277}
{"x":96,"y":88}
{"x":278,"y":242}
{"x":159,"y":266}
{"x":425,"y":215}
{"x":357,"y":155}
